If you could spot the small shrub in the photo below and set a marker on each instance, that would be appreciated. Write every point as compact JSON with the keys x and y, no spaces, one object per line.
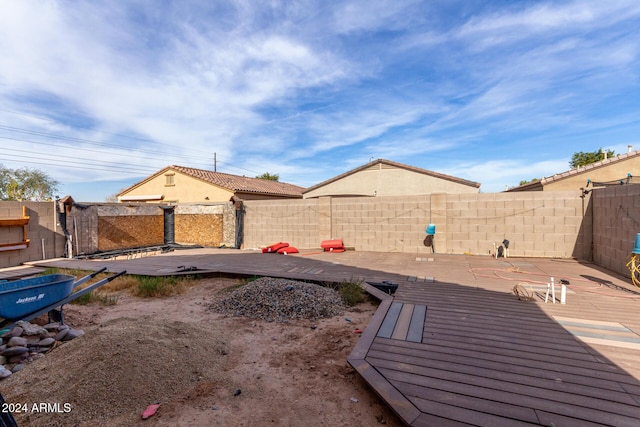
{"x":352,"y":292}
{"x":142,"y":286}
{"x":158,"y":286}
{"x":122,"y":283}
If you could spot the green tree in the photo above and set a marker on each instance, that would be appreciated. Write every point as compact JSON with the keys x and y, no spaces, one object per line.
{"x":582,"y":158}
{"x":26,"y":184}
{"x":523,"y":182}
{"x":269,"y":176}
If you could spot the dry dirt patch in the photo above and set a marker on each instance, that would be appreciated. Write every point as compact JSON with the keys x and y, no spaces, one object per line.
{"x":202,"y":367}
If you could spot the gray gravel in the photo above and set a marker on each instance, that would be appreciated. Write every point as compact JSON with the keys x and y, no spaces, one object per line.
{"x":281,"y":300}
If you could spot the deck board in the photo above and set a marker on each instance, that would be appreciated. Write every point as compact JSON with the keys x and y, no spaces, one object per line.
{"x":569,"y":405}
{"x":593,"y":372}
{"x":416,"y":326}
{"x":469,"y":409}
{"x":404,"y":321}
{"x":427,"y":367}
{"x":518,"y":366}
{"x":390,"y":320}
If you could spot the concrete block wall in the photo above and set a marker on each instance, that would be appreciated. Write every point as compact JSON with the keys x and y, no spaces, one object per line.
{"x":381,"y":224}
{"x":45,"y":235}
{"x":616,"y":212}
{"x":537,"y":224}
{"x":544,"y":224}
{"x":298,"y":222}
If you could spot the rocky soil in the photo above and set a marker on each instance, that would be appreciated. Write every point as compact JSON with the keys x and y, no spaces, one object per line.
{"x":205,"y":363}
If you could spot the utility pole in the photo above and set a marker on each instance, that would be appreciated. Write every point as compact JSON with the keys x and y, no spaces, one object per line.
{"x":215,"y":162}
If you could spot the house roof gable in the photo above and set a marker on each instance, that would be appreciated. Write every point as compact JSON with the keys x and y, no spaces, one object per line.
{"x":396,"y":165}
{"x":233,"y":183}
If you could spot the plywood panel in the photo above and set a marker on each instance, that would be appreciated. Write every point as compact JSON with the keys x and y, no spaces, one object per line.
{"x":199,"y":229}
{"x":129,"y":231}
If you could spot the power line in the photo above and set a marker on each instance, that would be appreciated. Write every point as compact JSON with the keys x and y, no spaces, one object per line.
{"x":65,"y":165}
{"x":88,"y":162}
{"x":117,"y":166}
{"x":83,"y":149}
{"x":88,"y":128}
{"x":73,"y":139}
{"x":190,"y":159}
{"x":197,"y":160}
{"x":75,"y":165}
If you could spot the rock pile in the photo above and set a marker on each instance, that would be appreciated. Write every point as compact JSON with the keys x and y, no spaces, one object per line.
{"x":26,"y":342}
{"x":281,"y":300}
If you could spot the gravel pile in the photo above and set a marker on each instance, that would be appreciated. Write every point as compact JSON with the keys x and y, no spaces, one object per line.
{"x":281,"y":300}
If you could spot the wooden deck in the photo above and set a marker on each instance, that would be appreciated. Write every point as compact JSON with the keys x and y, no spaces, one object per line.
{"x":455,"y":347}
{"x":486,"y":359}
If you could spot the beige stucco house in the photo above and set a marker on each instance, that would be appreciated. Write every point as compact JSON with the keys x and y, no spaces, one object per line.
{"x":386,"y":178}
{"x":618,"y":169}
{"x":188,"y":185}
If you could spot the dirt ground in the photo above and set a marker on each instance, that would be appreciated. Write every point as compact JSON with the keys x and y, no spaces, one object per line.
{"x":204,"y":369}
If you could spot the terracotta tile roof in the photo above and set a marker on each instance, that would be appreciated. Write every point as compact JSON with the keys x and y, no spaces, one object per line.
{"x":235,"y":183}
{"x":242,"y":184}
{"x":397,"y":165}
{"x":578,"y":171}
{"x":586,"y":168}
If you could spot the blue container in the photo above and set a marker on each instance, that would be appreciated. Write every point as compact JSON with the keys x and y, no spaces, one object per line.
{"x":636,"y":248}
{"x":431,"y":229}
{"x":19,"y":298}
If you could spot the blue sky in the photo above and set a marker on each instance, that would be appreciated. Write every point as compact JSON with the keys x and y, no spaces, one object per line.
{"x":100,"y":94}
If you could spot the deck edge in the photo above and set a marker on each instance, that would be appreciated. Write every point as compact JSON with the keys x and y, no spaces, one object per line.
{"x":402,"y":406}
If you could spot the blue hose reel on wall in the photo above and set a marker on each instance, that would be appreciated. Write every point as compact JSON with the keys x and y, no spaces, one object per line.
{"x":431,"y":234}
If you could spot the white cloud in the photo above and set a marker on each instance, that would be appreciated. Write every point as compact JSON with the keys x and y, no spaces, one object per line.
{"x":367,"y":15}
{"x":545,"y":19}
{"x":198,"y":93}
{"x":498,"y":175}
